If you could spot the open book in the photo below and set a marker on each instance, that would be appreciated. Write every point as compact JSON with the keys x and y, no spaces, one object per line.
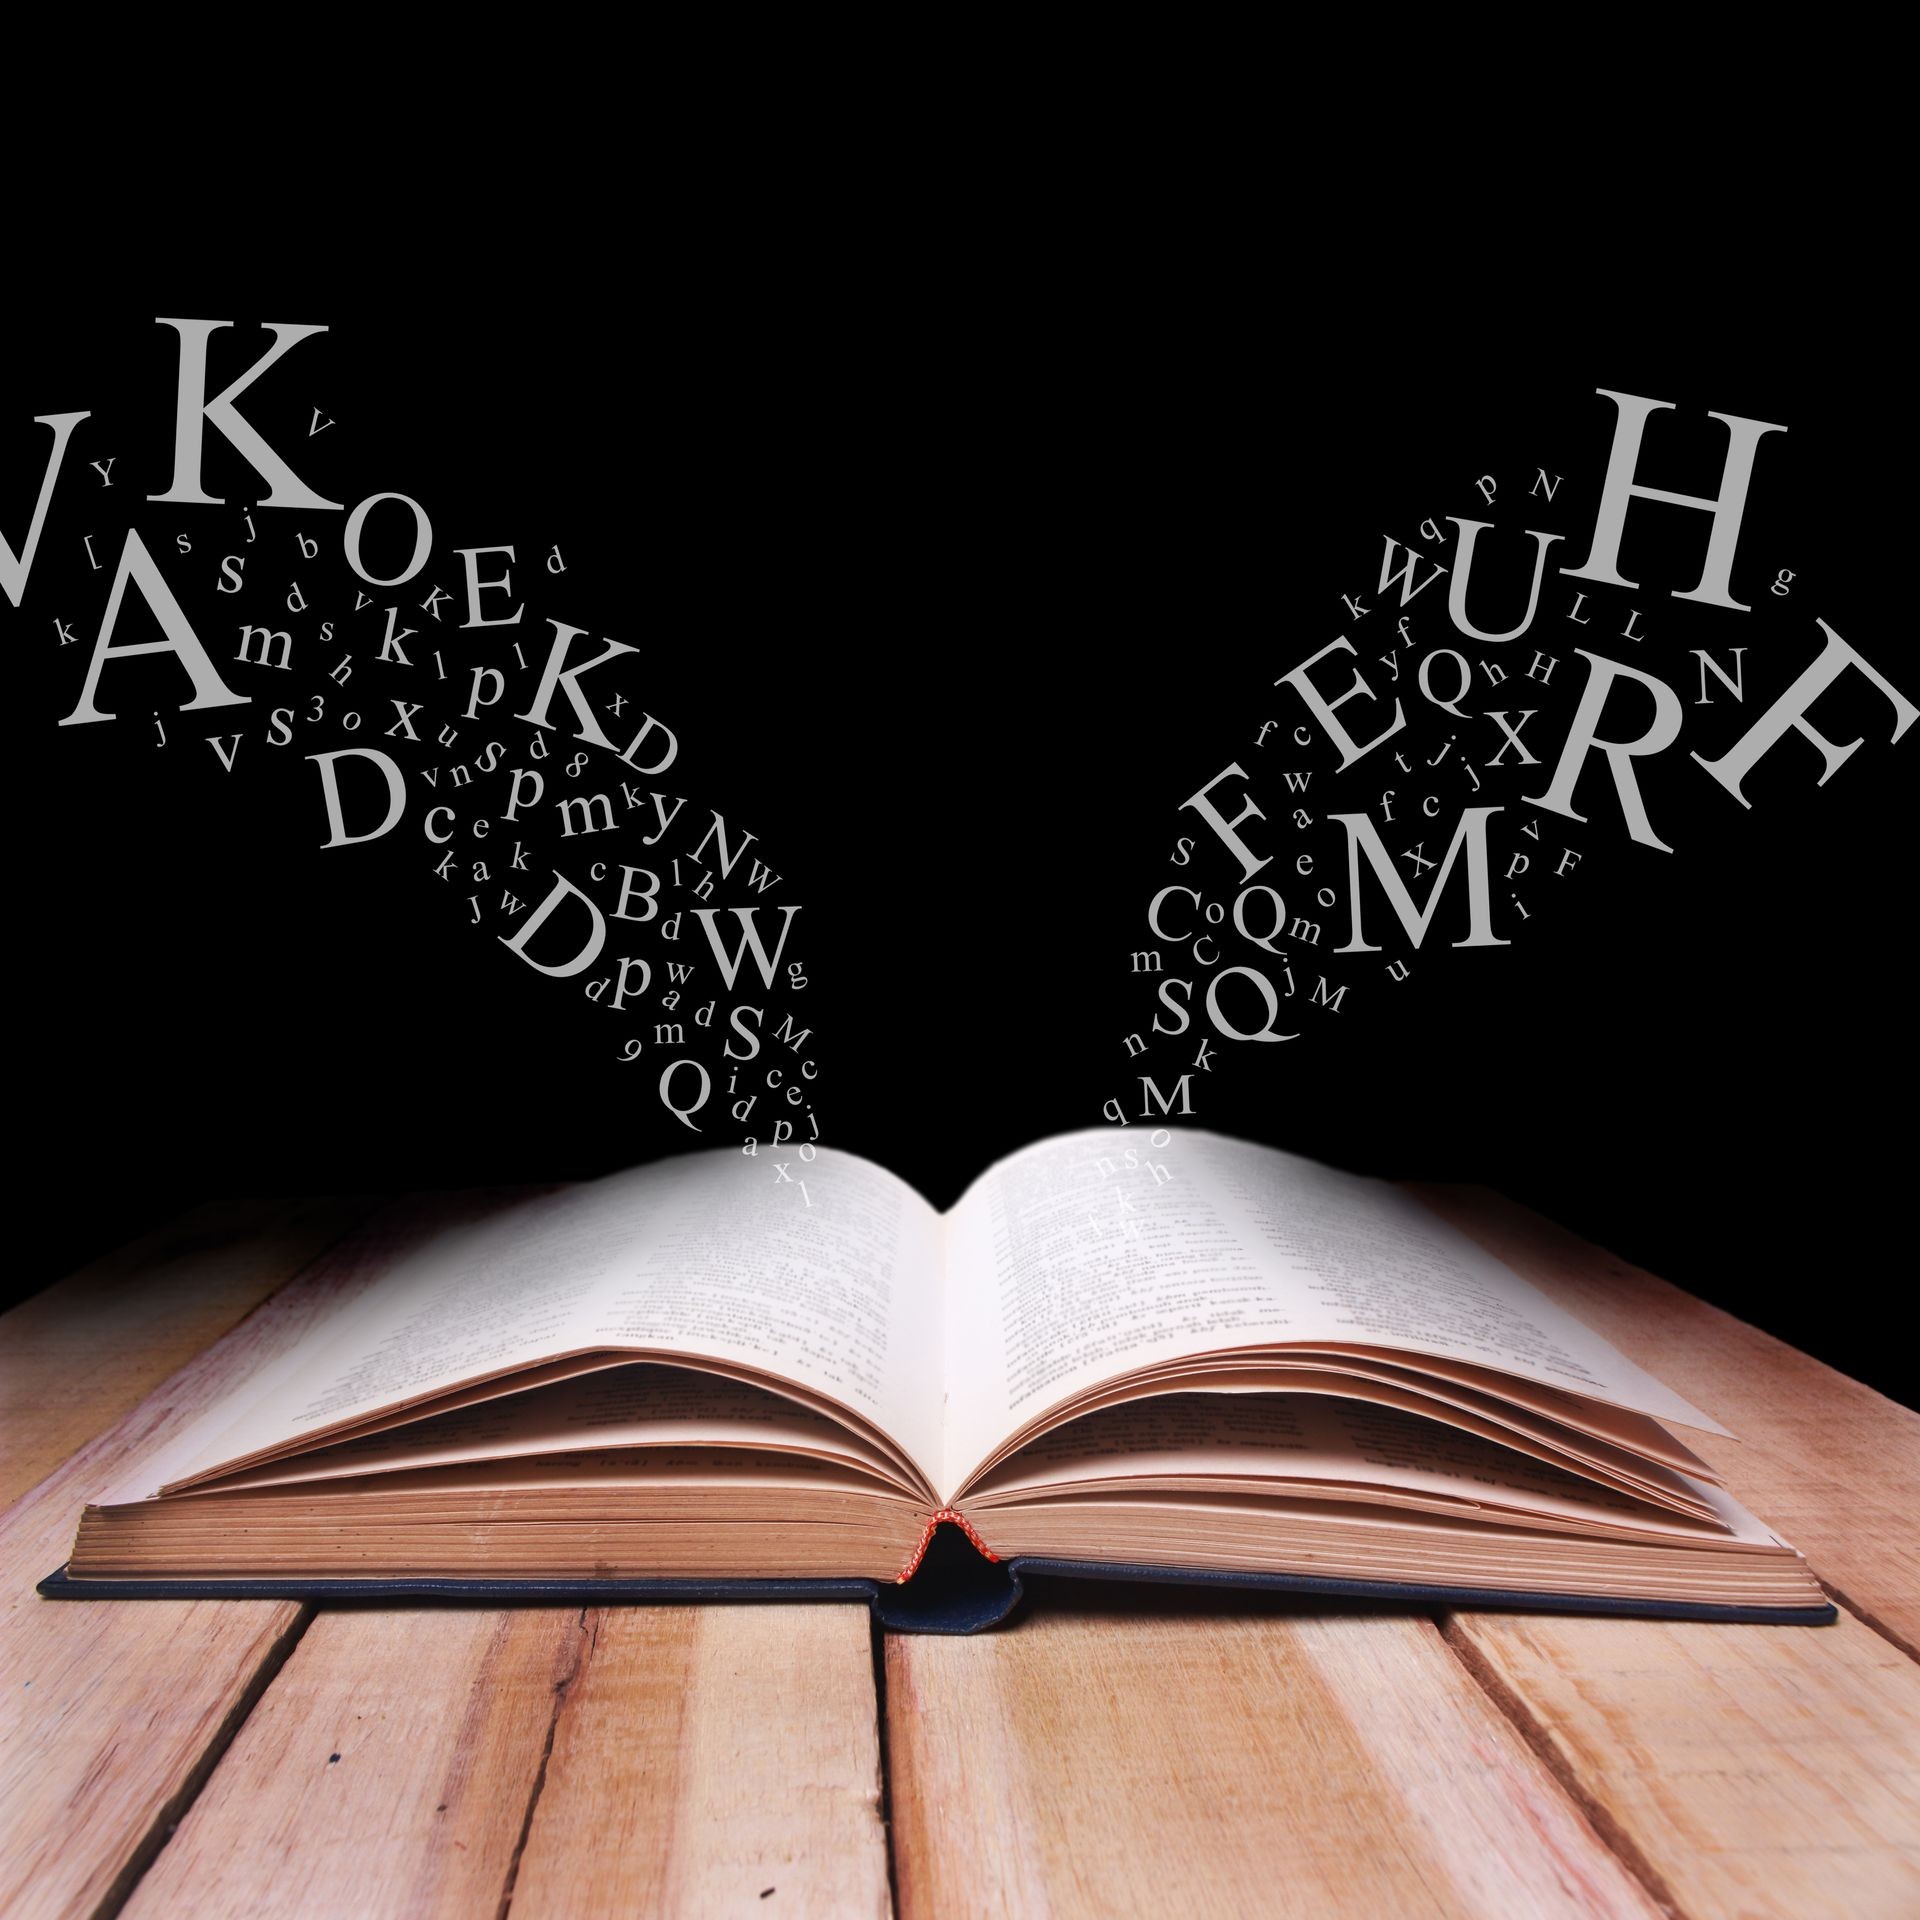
{"x":1209,"y":1357}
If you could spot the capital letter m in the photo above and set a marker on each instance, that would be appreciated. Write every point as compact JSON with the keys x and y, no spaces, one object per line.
{"x":1364,"y":836}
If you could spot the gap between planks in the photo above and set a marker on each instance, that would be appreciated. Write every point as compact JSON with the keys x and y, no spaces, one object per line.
{"x":1871,"y":1621}
{"x":562,"y":1688}
{"x":1598,"y":1816}
{"x":169,"y":1815}
{"x":546,"y":1763}
{"x":877,"y":1640}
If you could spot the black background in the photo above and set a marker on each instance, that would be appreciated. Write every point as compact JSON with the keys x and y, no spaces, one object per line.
{"x":961,"y":550}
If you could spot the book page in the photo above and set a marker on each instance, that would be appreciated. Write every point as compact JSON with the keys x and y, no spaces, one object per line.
{"x":1095,"y":1254}
{"x":1220,"y":1382}
{"x":1340,"y":1444}
{"x":711,"y":1255}
{"x":639,"y":1404}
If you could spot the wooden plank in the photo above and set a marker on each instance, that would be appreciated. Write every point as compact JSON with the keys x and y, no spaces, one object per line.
{"x":1208,"y":1756}
{"x":1754,"y":1770}
{"x":1830,"y":1463}
{"x":77,"y":1356}
{"x":106,"y":1729}
{"x":709,"y":1760}
{"x":611,"y":1761}
{"x":388,"y":1770}
{"x":111,"y":1712}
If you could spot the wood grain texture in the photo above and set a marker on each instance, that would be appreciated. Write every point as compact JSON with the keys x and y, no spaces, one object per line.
{"x":713,"y":1760}
{"x":1756,"y":1771}
{"x":1747,"y":1770}
{"x":1197,"y":1757}
{"x":77,"y":1356}
{"x":109,"y":1718}
{"x":1832,"y":1465}
{"x":608,"y":1761}
{"x":111,"y":1713}
{"x":387,"y":1771}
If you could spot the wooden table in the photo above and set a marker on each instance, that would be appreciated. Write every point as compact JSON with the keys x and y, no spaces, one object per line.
{"x":1112,"y":1753}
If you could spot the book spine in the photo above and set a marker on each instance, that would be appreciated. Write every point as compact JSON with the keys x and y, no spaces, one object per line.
{"x":961,"y":1521}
